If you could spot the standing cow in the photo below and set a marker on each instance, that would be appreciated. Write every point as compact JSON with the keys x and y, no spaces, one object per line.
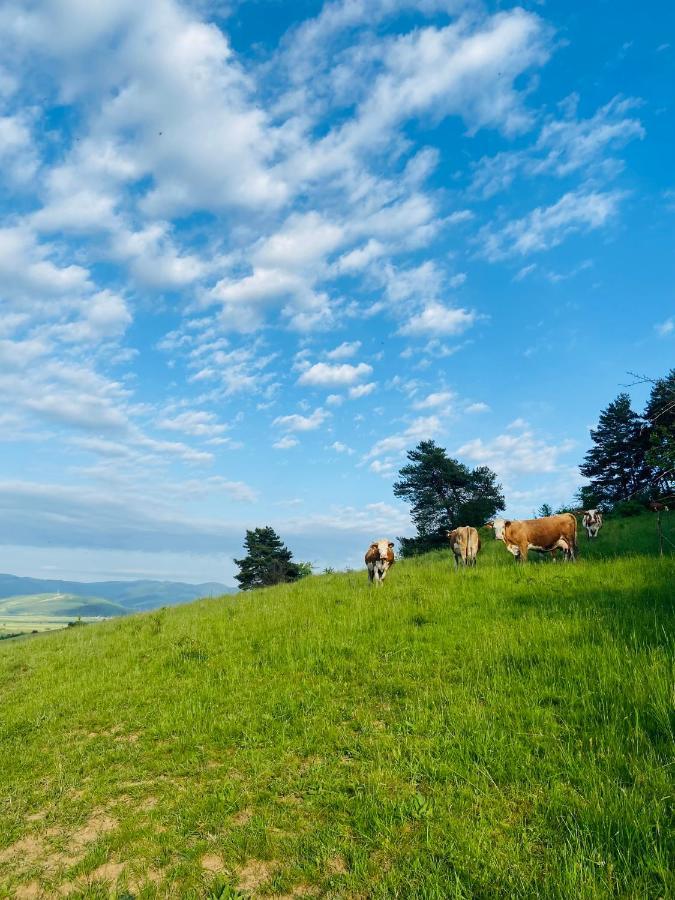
{"x":465,"y":544}
{"x":547,"y":533}
{"x":379,"y":559}
{"x":592,"y":522}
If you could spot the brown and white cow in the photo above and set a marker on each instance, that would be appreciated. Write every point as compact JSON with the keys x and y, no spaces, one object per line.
{"x":379,"y":559}
{"x":657,"y":506}
{"x":465,"y":544}
{"x":592,"y":522}
{"x":545,"y":534}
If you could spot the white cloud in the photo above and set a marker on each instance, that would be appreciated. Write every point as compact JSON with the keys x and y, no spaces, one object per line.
{"x":515,"y":453}
{"x":666,"y":328}
{"x":344,"y":350}
{"x":546,"y":227}
{"x":198,"y":423}
{"x":564,"y":146}
{"x":477,"y":408}
{"x":285,"y":443}
{"x":296,"y":422}
{"x":339,"y":447}
{"x":362,"y":390}
{"x":435,"y":400}
{"x":423,"y":428}
{"x":325,"y":375}
{"x":437,"y":319}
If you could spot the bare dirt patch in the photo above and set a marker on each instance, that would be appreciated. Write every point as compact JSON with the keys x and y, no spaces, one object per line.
{"x":337,"y":865}
{"x":28,"y":891}
{"x":97,"y":824}
{"x":254,"y":873}
{"x":242,"y":817}
{"x":109,"y":871}
{"x":211,"y":862}
{"x":27,"y":849}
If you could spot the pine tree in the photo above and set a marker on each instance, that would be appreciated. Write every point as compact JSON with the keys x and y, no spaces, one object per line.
{"x":544,"y":510}
{"x":268,"y":560}
{"x":616,"y":464}
{"x":444,"y":493}
{"x":660,"y":417}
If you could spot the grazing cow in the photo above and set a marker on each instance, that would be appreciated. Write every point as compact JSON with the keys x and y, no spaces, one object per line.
{"x":465,"y":544}
{"x":592,"y":522}
{"x":545,"y":534}
{"x":657,"y":506}
{"x":379,"y":559}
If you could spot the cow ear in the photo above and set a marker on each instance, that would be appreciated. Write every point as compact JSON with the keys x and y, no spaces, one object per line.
{"x":391,"y":543}
{"x":489,"y":525}
{"x":507,"y":523}
{"x":373,"y":546}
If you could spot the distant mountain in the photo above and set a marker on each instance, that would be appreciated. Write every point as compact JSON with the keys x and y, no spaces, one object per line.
{"x":132,"y":595}
{"x":59,"y":605}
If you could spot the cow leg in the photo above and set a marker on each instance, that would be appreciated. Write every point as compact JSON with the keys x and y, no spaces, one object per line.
{"x":371,"y":574}
{"x":522,"y":552}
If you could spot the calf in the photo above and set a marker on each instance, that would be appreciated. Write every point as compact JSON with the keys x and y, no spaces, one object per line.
{"x":465,"y":544}
{"x":592,"y":522}
{"x":547,"y":534}
{"x":379,"y":559}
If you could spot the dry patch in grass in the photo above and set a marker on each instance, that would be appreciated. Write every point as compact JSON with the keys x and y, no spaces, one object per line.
{"x":337,"y":865}
{"x":211,"y":862}
{"x":254,"y":873}
{"x":243,"y":817}
{"x":300,"y":890}
{"x":28,"y":891}
{"x":33,"y":849}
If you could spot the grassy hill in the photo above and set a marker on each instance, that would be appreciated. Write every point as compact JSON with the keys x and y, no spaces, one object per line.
{"x":501,"y":732}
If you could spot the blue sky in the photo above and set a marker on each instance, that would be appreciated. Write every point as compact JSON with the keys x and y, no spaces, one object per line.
{"x":251,"y":253}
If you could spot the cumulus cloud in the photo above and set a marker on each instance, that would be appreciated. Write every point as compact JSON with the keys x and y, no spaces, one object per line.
{"x":362,"y":390}
{"x":296,"y":422}
{"x":437,"y":319}
{"x":436,"y":400}
{"x":326,"y":375}
{"x":514,"y":453}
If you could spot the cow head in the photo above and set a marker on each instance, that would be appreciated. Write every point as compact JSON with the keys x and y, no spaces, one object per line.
{"x":382,"y":548}
{"x":452,"y":535}
{"x":499,"y":525}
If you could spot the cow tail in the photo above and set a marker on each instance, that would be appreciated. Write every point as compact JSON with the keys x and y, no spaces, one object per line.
{"x":575,"y":545}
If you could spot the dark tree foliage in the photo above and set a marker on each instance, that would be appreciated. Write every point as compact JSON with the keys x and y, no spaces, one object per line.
{"x":443,"y":494}
{"x":268,"y":561}
{"x":660,"y":418}
{"x":617,"y":463}
{"x":588,"y":498}
{"x":544,"y":510}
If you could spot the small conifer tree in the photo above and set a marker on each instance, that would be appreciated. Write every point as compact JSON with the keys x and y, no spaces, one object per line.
{"x":268,"y":560}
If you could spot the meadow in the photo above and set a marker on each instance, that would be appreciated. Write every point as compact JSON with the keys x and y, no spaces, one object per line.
{"x":500,"y":732}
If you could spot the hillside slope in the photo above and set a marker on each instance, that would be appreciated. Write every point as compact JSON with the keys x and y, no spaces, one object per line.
{"x":502,"y":732}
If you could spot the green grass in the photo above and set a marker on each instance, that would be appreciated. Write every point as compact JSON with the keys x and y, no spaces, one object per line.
{"x":501,"y":732}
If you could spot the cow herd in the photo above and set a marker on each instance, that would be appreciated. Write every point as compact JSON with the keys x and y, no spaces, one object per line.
{"x":546,"y":535}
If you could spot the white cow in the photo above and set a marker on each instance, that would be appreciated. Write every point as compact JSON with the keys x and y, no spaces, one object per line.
{"x":379,"y":559}
{"x":592,"y":522}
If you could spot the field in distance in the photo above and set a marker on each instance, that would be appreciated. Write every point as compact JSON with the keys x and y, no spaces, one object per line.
{"x":27,"y":613}
{"x":499,"y":732}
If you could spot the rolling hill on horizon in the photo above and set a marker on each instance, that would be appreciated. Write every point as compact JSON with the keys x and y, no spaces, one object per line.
{"x":133,"y":596}
{"x":59,"y":605}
